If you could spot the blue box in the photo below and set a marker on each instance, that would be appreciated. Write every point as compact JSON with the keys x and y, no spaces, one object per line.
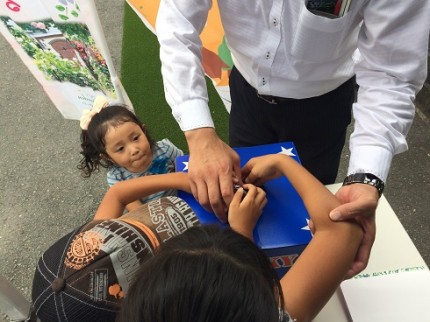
{"x":282,"y":231}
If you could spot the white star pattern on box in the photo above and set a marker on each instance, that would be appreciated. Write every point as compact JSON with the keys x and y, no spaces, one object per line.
{"x":186,"y":166}
{"x":307,"y":226}
{"x":287,"y":151}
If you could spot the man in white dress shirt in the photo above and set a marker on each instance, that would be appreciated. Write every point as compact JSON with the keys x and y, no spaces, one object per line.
{"x":293,"y":80}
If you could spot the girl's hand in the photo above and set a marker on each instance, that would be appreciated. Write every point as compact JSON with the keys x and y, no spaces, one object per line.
{"x":262,"y":169}
{"x":245,"y":210}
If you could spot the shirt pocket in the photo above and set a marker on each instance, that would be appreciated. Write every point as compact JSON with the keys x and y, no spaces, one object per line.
{"x":318,"y":38}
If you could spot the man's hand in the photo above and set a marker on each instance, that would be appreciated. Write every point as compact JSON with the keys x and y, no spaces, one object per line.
{"x":211,"y":168}
{"x":359,"y":202}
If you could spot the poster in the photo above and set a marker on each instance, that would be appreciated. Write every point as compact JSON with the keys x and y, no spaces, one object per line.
{"x":63,"y":45}
{"x":216,"y":57}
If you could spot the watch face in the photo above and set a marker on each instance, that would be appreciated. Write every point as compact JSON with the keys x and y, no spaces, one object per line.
{"x":362,"y":177}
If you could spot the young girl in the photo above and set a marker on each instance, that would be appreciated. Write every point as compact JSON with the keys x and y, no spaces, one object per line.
{"x":213,"y":274}
{"x":113,"y":137}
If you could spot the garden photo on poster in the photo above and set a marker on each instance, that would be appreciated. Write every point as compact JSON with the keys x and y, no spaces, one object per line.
{"x":64,"y":52}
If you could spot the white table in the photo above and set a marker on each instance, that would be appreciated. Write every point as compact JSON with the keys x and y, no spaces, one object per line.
{"x":393,"y":249}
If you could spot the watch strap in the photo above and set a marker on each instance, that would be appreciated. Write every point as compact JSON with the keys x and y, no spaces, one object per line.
{"x":366,"y":178}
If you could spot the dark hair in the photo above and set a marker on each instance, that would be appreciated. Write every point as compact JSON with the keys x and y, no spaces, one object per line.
{"x":92,"y":139}
{"x":207,"y":274}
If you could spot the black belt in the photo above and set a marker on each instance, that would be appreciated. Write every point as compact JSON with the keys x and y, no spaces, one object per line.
{"x":274,"y":99}
{"x":279,"y":100}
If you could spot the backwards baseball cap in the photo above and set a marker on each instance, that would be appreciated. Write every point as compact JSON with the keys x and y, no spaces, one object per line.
{"x":84,"y":275}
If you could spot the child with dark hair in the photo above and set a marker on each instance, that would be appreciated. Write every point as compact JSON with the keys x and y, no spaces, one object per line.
{"x":208,"y":274}
{"x":113,"y":137}
{"x":214,"y":274}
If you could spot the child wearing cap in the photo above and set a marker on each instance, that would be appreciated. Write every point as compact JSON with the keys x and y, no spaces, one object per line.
{"x":85,"y":275}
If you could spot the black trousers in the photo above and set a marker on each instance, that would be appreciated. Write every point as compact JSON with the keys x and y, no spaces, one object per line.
{"x":317,"y":125}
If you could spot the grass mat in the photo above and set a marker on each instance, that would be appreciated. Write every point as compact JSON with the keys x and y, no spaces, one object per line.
{"x":141,"y":78}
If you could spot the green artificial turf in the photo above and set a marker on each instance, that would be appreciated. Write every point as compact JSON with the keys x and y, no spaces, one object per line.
{"x":141,"y":78}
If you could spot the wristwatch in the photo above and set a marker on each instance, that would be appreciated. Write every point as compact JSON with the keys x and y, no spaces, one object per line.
{"x":366,"y":178}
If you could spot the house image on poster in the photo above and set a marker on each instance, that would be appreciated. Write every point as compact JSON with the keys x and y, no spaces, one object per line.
{"x":53,"y":39}
{"x":50,"y":38}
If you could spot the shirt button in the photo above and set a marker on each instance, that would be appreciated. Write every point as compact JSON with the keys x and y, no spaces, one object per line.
{"x":275,"y":21}
{"x":264,"y":81}
{"x":268,"y":55}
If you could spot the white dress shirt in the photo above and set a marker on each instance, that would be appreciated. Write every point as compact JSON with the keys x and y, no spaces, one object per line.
{"x":282,"y":49}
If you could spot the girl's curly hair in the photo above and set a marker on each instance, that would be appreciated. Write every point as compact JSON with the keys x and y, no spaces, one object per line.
{"x":92,"y":140}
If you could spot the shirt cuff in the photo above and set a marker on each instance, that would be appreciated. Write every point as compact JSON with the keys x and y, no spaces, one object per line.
{"x":192,"y":115}
{"x":370,"y":159}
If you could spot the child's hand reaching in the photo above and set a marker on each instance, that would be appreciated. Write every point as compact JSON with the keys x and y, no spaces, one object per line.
{"x":183,"y":182}
{"x":245,"y":210}
{"x":262,"y":169}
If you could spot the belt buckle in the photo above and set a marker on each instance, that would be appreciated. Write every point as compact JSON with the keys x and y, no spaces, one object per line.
{"x":264,"y":98}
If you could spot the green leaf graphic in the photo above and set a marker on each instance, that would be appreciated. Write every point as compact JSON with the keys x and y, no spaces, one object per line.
{"x":224,"y":53}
